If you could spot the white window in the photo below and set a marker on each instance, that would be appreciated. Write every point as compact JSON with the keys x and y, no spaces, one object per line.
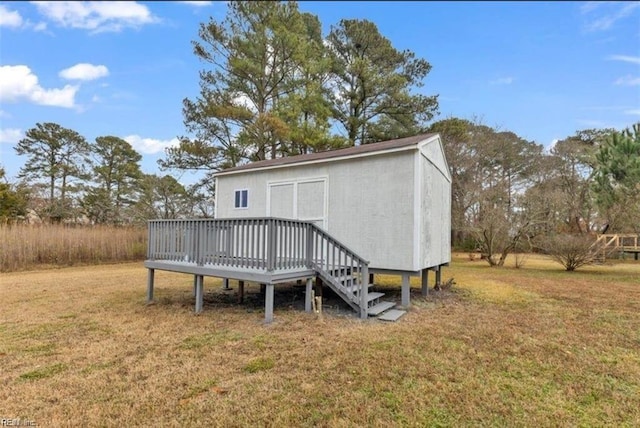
{"x":242,"y":198}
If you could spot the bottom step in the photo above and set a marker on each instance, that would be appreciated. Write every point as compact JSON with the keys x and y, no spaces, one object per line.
{"x":392,"y":315}
{"x":380,"y":308}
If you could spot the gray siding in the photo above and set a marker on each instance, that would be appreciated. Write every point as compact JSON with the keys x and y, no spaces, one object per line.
{"x":393,"y":209}
{"x":435,"y":240}
{"x":371,"y":208}
{"x":369,"y":202}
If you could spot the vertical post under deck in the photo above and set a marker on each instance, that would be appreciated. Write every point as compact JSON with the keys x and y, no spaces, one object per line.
{"x":406,"y":290}
{"x":318,"y":287}
{"x":268,"y":304}
{"x":199,"y":293}
{"x":225,"y":284}
{"x":438,"y":277}
{"x":307,"y":295}
{"x":364,"y":300}
{"x":195,"y":282}
{"x":425,"y":282}
{"x":240,"y":291}
{"x":150,"y":277}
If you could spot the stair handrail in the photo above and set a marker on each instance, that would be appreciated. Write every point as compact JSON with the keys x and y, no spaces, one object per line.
{"x":357,"y":263}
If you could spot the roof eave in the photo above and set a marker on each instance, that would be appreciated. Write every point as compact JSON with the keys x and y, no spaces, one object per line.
{"x":413,"y":146}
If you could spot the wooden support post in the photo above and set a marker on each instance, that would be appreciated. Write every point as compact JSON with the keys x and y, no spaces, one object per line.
{"x":371,"y":278}
{"x":364,"y":300}
{"x":425,"y":282}
{"x":438,"y":277}
{"x":195,"y":282}
{"x":150,"y":276}
{"x":318,"y":287}
{"x":240,"y":292}
{"x":406,"y":290}
{"x":268,"y":304}
{"x":199,"y":293}
{"x":308,"y":295}
{"x":225,"y":284}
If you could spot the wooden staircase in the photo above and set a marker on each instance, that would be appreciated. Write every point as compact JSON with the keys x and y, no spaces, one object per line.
{"x":382,"y":309}
{"x":349,"y":279}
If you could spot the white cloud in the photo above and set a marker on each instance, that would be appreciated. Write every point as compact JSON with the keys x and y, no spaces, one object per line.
{"x":635,"y":112}
{"x":40,"y":26}
{"x":593,"y":123}
{"x":625,"y":58}
{"x":242,"y":100}
{"x":10,"y":18}
{"x":150,"y":145}
{"x":84,"y":71}
{"x":197,"y":3}
{"x":13,"y":19}
{"x":602,"y":15}
{"x":17,"y":82}
{"x":96,"y":16}
{"x":10,"y":135}
{"x":503,"y":81}
{"x":628,"y":80}
{"x":589,"y":6}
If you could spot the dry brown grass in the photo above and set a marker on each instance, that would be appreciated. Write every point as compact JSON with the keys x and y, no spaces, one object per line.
{"x":28,"y":246}
{"x":508,"y":347}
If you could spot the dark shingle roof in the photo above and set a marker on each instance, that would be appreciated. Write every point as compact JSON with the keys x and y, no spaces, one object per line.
{"x":331,"y":154}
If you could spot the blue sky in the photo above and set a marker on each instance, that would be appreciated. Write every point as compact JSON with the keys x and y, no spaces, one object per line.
{"x":541,"y":69}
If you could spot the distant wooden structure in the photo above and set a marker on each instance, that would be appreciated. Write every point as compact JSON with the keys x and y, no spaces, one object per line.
{"x":612,"y":243}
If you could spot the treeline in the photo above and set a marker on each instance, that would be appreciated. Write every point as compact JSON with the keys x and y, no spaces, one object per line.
{"x":510,"y":194}
{"x":66,"y":179}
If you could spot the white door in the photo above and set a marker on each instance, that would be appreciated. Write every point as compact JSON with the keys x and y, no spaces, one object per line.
{"x":311,"y":202}
{"x":281,"y":200}
{"x":300,"y":200}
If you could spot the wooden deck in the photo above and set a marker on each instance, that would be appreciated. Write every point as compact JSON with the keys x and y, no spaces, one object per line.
{"x":268,"y":251}
{"x":263,"y":250}
{"x":251,"y":274}
{"x":618,"y":242}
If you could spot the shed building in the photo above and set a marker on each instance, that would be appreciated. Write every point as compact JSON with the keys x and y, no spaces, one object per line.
{"x":387,"y":204}
{"x":390,"y":202}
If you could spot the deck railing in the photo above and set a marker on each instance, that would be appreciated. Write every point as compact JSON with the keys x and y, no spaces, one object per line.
{"x":263,"y":243}
{"x":629,"y":240}
{"x":272,"y":244}
{"x":607,"y":244}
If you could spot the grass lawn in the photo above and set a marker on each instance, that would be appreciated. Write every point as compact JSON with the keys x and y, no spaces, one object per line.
{"x":535,"y":346}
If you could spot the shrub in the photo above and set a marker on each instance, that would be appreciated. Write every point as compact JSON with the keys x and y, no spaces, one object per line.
{"x":571,"y":251}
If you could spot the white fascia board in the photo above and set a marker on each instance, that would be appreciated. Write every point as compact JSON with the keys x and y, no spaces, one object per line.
{"x":417,"y":209}
{"x":446,"y":173}
{"x":318,"y":161}
{"x":437,"y":138}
